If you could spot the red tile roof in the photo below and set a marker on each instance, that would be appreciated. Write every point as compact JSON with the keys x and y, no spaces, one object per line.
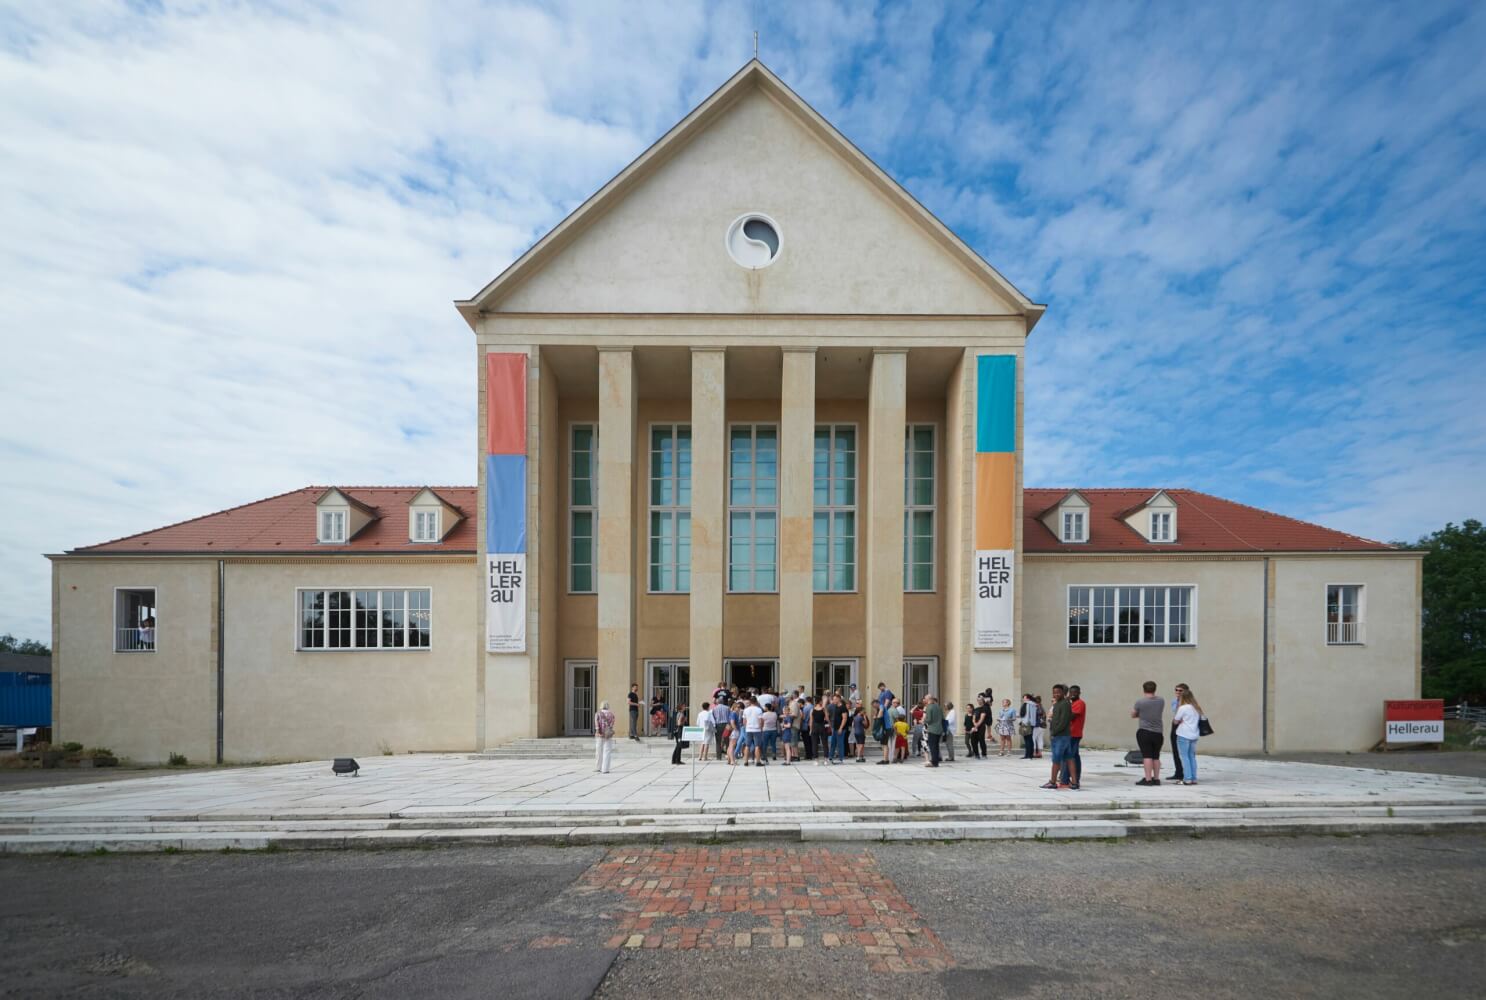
{"x":1204,"y":523}
{"x":286,"y":524}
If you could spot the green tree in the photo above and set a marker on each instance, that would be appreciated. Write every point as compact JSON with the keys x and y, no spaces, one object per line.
{"x":1455,"y":612}
{"x":30,"y":647}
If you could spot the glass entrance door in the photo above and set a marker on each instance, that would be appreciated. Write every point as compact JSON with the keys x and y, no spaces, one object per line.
{"x":920,"y":677}
{"x":578,"y":718}
{"x":671,"y":679}
{"x":834,"y":675}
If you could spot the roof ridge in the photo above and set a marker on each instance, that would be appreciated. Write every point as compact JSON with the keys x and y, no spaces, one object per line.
{"x":201,"y":517}
{"x":1287,"y":517}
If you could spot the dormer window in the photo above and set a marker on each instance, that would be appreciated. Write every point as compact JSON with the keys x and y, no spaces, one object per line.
{"x":1161,"y":526}
{"x":332,"y":527}
{"x":1073,"y":526}
{"x":426,"y":526}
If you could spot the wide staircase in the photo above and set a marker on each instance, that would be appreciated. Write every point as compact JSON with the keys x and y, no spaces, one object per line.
{"x":573,"y":748}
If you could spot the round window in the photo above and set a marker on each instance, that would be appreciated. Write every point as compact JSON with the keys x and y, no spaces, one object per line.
{"x":753,"y":240}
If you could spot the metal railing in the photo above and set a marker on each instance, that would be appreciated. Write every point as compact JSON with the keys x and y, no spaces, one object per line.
{"x":1466,"y":713}
{"x":135,"y":640}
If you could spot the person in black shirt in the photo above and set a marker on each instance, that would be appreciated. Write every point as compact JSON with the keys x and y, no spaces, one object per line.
{"x":836,"y":726}
{"x":979,"y":720}
{"x":634,"y":712}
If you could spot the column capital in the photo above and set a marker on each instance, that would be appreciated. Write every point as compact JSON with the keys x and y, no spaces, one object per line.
{"x":792,"y":349}
{"x":615,"y":348}
{"x":889,"y":350}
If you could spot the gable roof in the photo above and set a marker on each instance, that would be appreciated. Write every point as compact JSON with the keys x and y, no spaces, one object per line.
{"x":1208,"y":524}
{"x":753,"y":76}
{"x":285,"y":525}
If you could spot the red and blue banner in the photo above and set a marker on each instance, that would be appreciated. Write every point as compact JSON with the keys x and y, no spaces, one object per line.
{"x":505,"y":503}
{"x":995,"y":500}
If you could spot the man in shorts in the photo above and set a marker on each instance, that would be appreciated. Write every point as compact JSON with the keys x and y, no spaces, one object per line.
{"x":1060,"y":719}
{"x":753,"y":733}
{"x":1148,"y":735}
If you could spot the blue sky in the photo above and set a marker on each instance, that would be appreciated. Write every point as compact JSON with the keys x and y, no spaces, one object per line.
{"x":232,"y":233}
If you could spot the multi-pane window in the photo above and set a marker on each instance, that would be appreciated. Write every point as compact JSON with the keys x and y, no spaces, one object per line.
{"x":835,"y":543}
{"x":1160,"y":526}
{"x":670,"y":509}
{"x":753,"y":508}
{"x":918,"y":508}
{"x":425,"y":525}
{"x":582,"y":508}
{"x":134,"y":620}
{"x":1130,"y":616}
{"x":1343,"y":614}
{"x":365,"y":619}
{"x":1073,"y":526}
{"x":332,"y":526}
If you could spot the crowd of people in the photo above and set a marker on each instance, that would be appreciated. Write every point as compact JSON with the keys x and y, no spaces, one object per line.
{"x":755,"y":728}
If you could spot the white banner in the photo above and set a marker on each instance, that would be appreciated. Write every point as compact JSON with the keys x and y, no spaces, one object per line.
{"x":505,"y":615}
{"x":1403,"y":731}
{"x":994,"y":616}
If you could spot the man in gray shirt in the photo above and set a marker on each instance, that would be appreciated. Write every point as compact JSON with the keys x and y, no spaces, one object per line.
{"x":1148,"y":735}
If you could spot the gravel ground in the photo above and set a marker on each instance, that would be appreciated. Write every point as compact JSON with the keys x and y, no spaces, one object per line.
{"x":1380,"y":916}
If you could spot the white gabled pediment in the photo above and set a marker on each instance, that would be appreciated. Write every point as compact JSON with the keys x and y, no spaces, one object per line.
{"x":653,"y":240}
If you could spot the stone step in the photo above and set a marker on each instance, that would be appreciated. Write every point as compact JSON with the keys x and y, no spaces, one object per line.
{"x":702,"y":828}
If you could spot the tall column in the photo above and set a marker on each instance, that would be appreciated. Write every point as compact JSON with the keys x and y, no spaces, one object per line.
{"x":886,"y":422}
{"x":708,"y":516}
{"x":616,"y":526}
{"x":796,"y":513}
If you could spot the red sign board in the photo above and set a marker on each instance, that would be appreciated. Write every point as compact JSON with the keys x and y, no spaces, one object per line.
{"x":1421,"y":720}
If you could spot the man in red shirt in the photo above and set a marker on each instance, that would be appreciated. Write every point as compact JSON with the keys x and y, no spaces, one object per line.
{"x":1073,"y":767}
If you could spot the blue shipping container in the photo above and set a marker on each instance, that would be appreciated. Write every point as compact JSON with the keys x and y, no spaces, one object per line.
{"x":25,"y":699}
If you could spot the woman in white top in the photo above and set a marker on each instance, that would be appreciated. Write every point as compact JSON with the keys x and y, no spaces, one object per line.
{"x":1188,"y":717}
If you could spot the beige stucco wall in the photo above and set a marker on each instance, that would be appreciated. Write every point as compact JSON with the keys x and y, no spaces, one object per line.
{"x":1224,"y":669}
{"x":1331,"y":697}
{"x":282,"y":704}
{"x":142,"y":705}
{"x":660,"y":248}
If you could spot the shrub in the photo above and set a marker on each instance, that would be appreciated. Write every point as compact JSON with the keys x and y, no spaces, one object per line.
{"x":178,"y":759}
{"x":99,"y":752}
{"x":71,"y":747}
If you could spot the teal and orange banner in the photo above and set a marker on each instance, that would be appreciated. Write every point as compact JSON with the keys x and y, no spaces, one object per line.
{"x":995,"y":500}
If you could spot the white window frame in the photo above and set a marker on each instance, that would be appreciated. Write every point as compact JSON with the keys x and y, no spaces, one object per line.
{"x":1192,"y":608}
{"x":672,"y":511}
{"x":829,"y":663}
{"x":753,"y":509}
{"x":1082,"y":524}
{"x":1165,"y":519}
{"x":830,"y":510}
{"x":910,"y":508}
{"x":407,"y":625}
{"x":591,"y":509}
{"x":671,"y":703}
{"x":431,"y":517}
{"x":338,"y":517}
{"x":155,"y":646}
{"x":567,"y":703}
{"x":1361,"y":617}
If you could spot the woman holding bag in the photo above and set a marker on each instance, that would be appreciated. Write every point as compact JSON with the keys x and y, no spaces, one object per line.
{"x":1188,"y":730}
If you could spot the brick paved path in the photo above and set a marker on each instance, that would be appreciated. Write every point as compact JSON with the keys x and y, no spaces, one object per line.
{"x":734,"y":898}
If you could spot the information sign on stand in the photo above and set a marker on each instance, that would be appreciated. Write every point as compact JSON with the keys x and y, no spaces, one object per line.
{"x":693,"y":734}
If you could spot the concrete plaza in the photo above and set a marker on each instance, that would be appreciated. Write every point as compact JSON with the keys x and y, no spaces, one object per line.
{"x":432,"y":798}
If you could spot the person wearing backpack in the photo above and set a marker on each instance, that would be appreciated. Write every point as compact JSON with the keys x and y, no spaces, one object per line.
{"x":1188,"y":730}
{"x":603,"y":738}
{"x":680,"y":719}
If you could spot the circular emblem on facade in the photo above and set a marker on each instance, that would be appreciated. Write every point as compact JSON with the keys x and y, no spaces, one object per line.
{"x":753,"y":240}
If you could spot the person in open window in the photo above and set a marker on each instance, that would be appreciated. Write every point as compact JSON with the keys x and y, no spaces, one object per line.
{"x":147,"y":634}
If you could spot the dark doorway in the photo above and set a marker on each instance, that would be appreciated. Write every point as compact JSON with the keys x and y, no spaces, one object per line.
{"x":751,"y":674}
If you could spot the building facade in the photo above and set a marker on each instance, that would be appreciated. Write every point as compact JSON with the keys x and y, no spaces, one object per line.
{"x":749,"y":414}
